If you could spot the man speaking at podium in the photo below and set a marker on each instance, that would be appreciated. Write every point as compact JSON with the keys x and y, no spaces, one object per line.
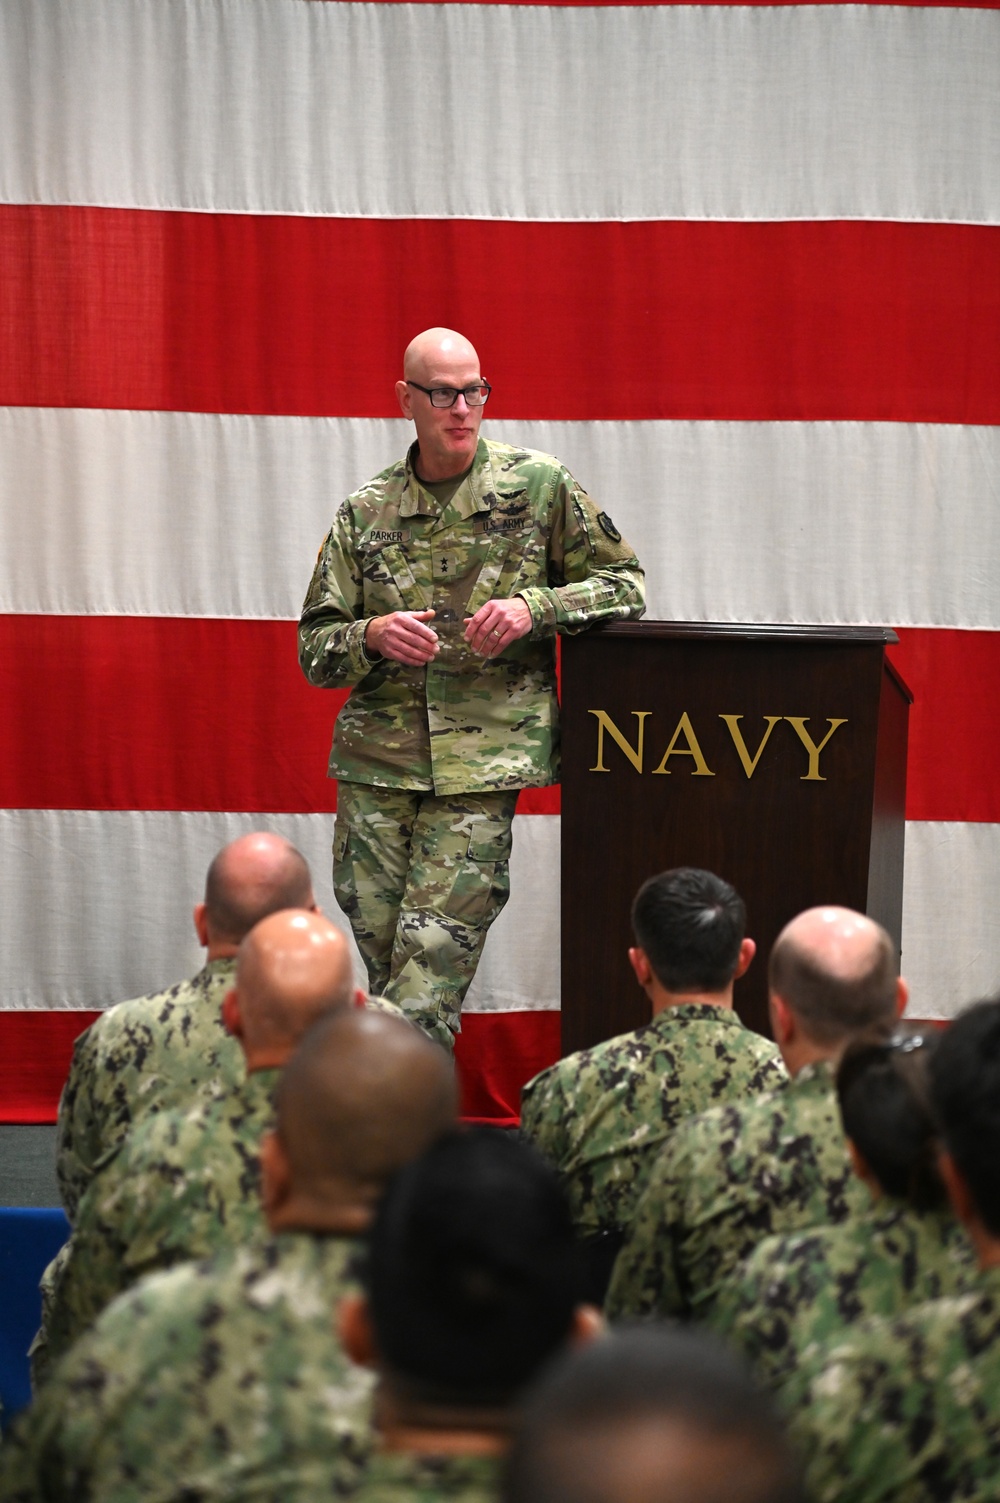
{"x":436,"y":597}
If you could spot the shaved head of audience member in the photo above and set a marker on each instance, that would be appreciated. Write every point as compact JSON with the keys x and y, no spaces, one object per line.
{"x":832,"y":974}
{"x":363,"y":1095}
{"x":252,"y":876}
{"x":291,"y":968}
{"x":650,"y":1416}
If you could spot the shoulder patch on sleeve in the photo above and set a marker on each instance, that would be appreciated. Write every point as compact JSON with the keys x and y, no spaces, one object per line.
{"x":608,"y":527}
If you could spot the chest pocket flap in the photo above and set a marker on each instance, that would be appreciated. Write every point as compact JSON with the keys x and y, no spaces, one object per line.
{"x":482,"y":590}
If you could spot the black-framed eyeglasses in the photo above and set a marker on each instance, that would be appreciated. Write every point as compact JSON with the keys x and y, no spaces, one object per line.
{"x":446,"y":396}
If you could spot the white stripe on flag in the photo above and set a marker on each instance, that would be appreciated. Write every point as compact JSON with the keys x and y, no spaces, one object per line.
{"x":580,"y":112}
{"x":187,"y":514}
{"x":120,"y":887}
{"x":123,"y":886}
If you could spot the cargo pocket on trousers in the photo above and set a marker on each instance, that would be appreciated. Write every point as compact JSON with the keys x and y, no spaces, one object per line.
{"x":344,"y":883}
{"x":481,"y":883}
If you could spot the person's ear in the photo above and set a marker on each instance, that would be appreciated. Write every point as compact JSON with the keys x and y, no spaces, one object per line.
{"x":639,"y":961}
{"x":353,"y":1325}
{"x":957,"y":1187}
{"x":231,"y":1016}
{"x":748,"y":950}
{"x":404,"y":396}
{"x":782,"y":1020}
{"x":587,"y":1325}
{"x":201,"y":924}
{"x":902,"y":996}
{"x":275,"y":1173}
{"x":861,"y":1167}
{"x":360,"y":997}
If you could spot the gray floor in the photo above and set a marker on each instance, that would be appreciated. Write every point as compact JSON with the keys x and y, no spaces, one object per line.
{"x":27,"y":1166}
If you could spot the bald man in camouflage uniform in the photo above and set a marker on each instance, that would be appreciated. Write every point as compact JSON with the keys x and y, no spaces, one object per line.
{"x":601,"y":1115}
{"x":907,"y":1409}
{"x":158,"y":1052}
{"x":186,"y":1184}
{"x":436,"y":599}
{"x":737,"y":1174}
{"x":225,"y":1378}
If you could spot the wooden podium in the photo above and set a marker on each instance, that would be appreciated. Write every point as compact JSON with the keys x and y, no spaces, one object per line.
{"x":772,"y":755}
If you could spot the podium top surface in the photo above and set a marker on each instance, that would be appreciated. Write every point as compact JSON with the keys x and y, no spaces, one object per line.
{"x":759,"y":630}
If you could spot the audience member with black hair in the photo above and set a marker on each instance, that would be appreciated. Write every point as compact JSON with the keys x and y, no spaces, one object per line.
{"x":650,"y":1416}
{"x":739,"y":1173}
{"x":225,"y":1379}
{"x":907,"y":1409}
{"x":471,"y":1288}
{"x":798,"y":1294}
{"x":601,"y":1115}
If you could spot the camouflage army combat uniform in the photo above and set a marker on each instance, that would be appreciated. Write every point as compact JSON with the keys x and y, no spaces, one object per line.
{"x":151,"y":1054}
{"x":726,"y":1180}
{"x":183,"y":1185}
{"x":799,"y":1294}
{"x":600,"y":1116}
{"x":430,"y":758}
{"x":214,"y":1380}
{"x":397,"y":1477}
{"x":907,"y":1409}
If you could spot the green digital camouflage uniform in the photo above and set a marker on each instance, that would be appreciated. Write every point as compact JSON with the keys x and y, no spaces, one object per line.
{"x":151,"y":1054}
{"x":463,"y":733}
{"x":797,"y":1295}
{"x":183,"y":1185}
{"x":726,"y":1180}
{"x":907,"y":1410}
{"x":395,"y":1477}
{"x":213,"y":1380}
{"x":601,"y":1116}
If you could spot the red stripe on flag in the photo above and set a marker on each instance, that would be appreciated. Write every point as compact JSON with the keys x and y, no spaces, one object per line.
{"x":185,"y":714}
{"x":496,"y":1054}
{"x":953,"y":770}
{"x":263,"y":314}
{"x":166,"y":713}
{"x":35,"y":1053}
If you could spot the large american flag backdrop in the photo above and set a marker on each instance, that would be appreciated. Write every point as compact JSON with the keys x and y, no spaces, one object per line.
{"x":737,"y":265}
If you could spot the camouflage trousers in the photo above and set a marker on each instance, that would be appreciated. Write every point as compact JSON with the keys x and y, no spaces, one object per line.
{"x":421,"y":877}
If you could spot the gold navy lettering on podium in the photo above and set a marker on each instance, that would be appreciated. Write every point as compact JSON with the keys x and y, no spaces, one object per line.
{"x":684,"y":743}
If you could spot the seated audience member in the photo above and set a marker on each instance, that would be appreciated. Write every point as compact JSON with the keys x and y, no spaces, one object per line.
{"x":908,"y":1409}
{"x":158,"y":1052}
{"x":185,"y":1184}
{"x":797,"y":1294}
{"x":470,"y":1289}
{"x":739,"y":1173}
{"x":600,"y":1116}
{"x":225,"y":1379}
{"x":650,"y":1416}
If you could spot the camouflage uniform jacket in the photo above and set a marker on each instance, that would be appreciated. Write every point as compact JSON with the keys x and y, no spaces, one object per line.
{"x":151,"y":1054}
{"x":601,"y":1115}
{"x":906,"y":1409}
{"x":221,"y":1379}
{"x":183,"y":1185}
{"x":518,"y":525}
{"x":797,"y":1295}
{"x":726,"y":1180}
{"x":394,"y":1477}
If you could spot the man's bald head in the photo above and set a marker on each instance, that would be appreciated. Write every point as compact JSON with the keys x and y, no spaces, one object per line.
{"x":429,"y":352}
{"x":363,"y":1095}
{"x":251,"y":877}
{"x":291,"y":968}
{"x":836,"y":970}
